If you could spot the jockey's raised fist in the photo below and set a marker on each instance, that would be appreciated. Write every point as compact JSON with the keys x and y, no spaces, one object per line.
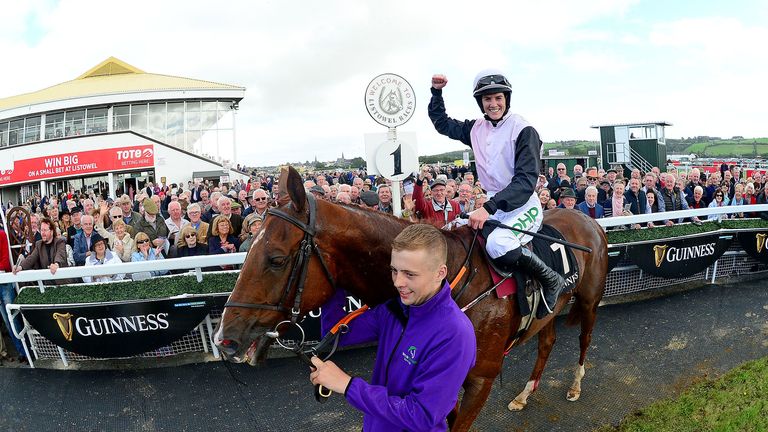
{"x":439,"y":81}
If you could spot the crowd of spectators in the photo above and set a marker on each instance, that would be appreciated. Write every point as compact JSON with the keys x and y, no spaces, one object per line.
{"x":182,"y":220}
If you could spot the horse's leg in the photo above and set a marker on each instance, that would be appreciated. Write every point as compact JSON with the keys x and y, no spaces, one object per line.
{"x":546,"y":342}
{"x":476,"y":391}
{"x":588,"y":314}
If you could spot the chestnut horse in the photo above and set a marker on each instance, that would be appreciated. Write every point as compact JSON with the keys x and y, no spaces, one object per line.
{"x":354,"y":246}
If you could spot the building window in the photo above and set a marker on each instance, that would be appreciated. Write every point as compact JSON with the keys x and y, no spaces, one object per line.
{"x":3,"y":134}
{"x":31,"y":129}
{"x":74,"y":123}
{"x":54,"y":125}
{"x":157,"y":121}
{"x":139,"y":118}
{"x":96,"y":120}
{"x":121,"y":118}
{"x":16,"y":132}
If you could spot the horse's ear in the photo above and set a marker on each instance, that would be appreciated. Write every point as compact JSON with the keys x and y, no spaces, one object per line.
{"x":290,"y":180}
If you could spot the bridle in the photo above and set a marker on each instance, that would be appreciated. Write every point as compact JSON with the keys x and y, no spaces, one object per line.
{"x":298,"y":276}
{"x":307,"y":247}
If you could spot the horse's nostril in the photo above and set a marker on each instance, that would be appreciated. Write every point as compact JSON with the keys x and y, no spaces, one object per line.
{"x":226,"y":342}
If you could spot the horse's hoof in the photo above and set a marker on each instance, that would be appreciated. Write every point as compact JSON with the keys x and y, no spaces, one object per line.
{"x":573,"y":395}
{"x":516,"y":406}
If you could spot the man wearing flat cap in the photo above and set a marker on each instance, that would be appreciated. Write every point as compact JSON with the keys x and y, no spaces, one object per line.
{"x":439,"y":210}
{"x":567,"y":198}
{"x":369,"y":199}
{"x":153,"y":226}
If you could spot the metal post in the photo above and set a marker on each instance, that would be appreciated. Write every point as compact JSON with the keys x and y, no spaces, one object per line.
{"x":210,"y":335}
{"x":111,"y":181}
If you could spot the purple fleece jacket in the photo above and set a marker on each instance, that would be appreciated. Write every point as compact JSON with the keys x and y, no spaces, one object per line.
{"x":423,"y":356}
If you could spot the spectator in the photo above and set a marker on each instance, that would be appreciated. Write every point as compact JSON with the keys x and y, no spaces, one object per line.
{"x":578,"y":171}
{"x":696,"y":200}
{"x":636,"y":198}
{"x":130,"y":217}
{"x":481,"y":199}
{"x":589,"y":205}
{"x":82,"y":241}
{"x":738,"y":199}
{"x":554,"y":182}
{"x":567,"y":199}
{"x":719,"y":201}
{"x":581,"y":186}
{"x":763,"y":199}
{"x":194,"y":212}
{"x":154,"y":227}
{"x":120,"y":240}
{"x":34,"y":222}
{"x":187,"y":244}
{"x":75,"y":228}
{"x":88,"y":207}
{"x":222,"y":239}
{"x":318,"y":192}
{"x":259,"y":204}
{"x":673,"y":198}
{"x":384,"y":193}
{"x":369,"y":199}
{"x":236,"y":222}
{"x":610,"y":175}
{"x":354,"y":195}
{"x":50,"y":252}
{"x":565,"y":184}
{"x":145,"y":252}
{"x":544,"y":197}
{"x":251,"y":227}
{"x":653,"y":202}
{"x":175,"y":221}
{"x":100,"y":255}
{"x":213,"y":209}
{"x":616,"y":205}
{"x":344,"y":198}
{"x":438,"y":210}
{"x":605,"y":190}
{"x":551,"y":204}
{"x":8,"y":294}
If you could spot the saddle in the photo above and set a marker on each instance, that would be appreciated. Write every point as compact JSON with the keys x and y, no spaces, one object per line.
{"x":558,"y":257}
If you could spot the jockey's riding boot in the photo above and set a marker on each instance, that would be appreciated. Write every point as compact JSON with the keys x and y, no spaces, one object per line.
{"x":552,"y":282}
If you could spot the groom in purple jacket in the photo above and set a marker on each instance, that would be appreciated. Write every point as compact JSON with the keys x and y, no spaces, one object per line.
{"x":426,"y":344}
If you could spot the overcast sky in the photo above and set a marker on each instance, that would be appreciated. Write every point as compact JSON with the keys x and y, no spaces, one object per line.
{"x":305,"y":64}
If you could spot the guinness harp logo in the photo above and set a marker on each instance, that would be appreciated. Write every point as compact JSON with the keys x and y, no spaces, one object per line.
{"x":65,"y":324}
{"x":658,"y":254}
{"x":760,"y":242}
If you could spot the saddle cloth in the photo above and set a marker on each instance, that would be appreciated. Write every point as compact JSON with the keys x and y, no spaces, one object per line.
{"x":558,"y":257}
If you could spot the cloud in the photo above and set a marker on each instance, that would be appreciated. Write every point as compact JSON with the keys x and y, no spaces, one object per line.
{"x":306,"y":64}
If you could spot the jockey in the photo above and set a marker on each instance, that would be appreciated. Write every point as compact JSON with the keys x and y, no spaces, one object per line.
{"x":507,"y":151}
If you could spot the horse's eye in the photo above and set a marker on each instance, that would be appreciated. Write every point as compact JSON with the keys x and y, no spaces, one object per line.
{"x":277,"y":261}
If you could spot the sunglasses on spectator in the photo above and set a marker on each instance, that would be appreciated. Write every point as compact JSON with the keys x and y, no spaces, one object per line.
{"x":260,"y":199}
{"x":592,"y":178}
{"x":117,"y":217}
{"x":190,"y":235}
{"x":142,"y":242}
{"x":561,"y":169}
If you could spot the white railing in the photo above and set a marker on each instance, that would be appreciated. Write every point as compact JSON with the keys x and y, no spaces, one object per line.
{"x":678,"y":214}
{"x":196,"y":263}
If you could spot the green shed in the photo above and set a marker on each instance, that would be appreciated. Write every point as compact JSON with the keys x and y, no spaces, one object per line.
{"x":627,"y":146}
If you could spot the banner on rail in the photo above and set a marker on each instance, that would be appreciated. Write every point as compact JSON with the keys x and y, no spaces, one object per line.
{"x":118,"y":329}
{"x":754,"y":244}
{"x":681,"y":257}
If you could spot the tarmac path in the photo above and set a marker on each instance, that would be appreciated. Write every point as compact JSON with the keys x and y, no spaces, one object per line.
{"x":641,"y":352}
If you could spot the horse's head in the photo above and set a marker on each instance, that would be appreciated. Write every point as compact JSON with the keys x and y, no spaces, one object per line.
{"x":285,"y":275}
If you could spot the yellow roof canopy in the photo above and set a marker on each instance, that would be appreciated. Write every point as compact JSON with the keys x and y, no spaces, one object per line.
{"x":112,"y":76}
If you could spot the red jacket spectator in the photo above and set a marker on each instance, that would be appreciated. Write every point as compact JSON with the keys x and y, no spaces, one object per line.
{"x":439,"y":210}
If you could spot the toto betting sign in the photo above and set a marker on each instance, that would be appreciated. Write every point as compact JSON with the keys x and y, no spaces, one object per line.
{"x":83,"y":162}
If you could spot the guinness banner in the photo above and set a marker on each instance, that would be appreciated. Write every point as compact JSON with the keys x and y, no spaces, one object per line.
{"x":615,"y":255}
{"x":754,"y":244}
{"x":681,"y":257}
{"x":118,"y":329}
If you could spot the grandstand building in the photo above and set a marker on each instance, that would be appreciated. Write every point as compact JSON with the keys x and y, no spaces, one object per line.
{"x":116,"y":128}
